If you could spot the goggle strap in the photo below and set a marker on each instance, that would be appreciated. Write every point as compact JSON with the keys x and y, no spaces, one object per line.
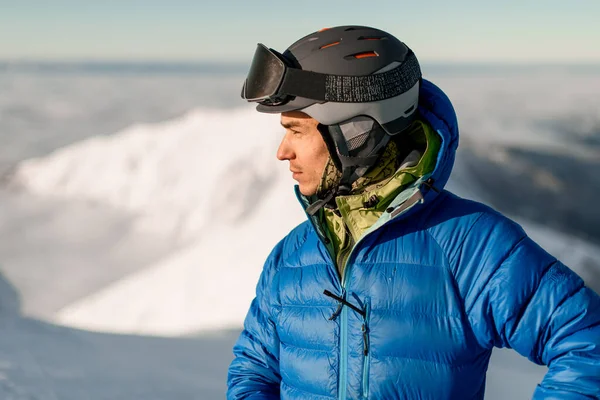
{"x":308,"y":84}
{"x":352,"y":89}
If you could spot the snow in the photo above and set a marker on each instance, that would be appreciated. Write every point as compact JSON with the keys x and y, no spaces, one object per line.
{"x":40,"y":361}
{"x":207,"y":285}
{"x":176,"y":174}
{"x":188,"y":179}
{"x":56,"y":252}
{"x":215,"y":195}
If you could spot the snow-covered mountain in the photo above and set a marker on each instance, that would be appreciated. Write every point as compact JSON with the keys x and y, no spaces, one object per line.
{"x":161,"y":229}
{"x":225,"y":201}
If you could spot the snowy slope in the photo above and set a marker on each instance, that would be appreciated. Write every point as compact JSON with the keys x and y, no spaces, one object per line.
{"x":39,"y":361}
{"x":227,"y":202}
{"x":207,"y":285}
{"x":180,"y":176}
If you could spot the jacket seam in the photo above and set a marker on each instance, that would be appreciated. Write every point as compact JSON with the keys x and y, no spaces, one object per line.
{"x":299,"y":245}
{"x":304,"y":265}
{"x":256,"y":340}
{"x":439,"y":247}
{"x":448,"y":364}
{"x":292,"y":305}
{"x":542,"y":331}
{"x":523,"y":307}
{"x":493,"y":274}
{"x":460,"y":246}
{"x":395,"y":311}
{"x":448,"y":264}
{"x":278,"y":265}
{"x":394,"y":263}
{"x":307,"y":392}
{"x":286,"y":344}
{"x":552,"y":387}
{"x":456,"y":286}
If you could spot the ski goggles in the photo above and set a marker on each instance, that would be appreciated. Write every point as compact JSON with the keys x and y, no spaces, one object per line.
{"x":271,"y":81}
{"x":265,"y":77}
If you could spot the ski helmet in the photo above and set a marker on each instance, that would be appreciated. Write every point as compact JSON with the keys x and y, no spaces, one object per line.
{"x":360,"y":83}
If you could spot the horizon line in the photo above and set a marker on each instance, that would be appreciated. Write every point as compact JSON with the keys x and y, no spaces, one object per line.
{"x":232,"y":67}
{"x":115,"y":60}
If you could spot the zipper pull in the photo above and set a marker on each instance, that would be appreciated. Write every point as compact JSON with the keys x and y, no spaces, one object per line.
{"x":365,"y":326}
{"x":429,"y":183}
{"x":337,"y":312}
{"x":365,"y":340}
{"x":343,"y":302}
{"x":371,"y":202}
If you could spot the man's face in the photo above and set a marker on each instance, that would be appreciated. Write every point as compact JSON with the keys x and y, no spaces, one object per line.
{"x":304,"y":147}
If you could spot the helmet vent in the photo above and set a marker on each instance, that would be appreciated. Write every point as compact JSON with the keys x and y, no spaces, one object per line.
{"x":329,"y":45}
{"x":364,"y":54}
{"x":356,"y":28}
{"x":358,"y":141}
{"x":372,"y":38}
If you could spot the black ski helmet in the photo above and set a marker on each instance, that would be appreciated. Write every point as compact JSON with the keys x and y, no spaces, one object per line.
{"x":360,"y":83}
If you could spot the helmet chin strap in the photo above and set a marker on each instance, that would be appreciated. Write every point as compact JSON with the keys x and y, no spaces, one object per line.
{"x":351,"y":166}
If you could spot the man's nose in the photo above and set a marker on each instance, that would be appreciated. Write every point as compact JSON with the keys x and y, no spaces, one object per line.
{"x":285,"y":152}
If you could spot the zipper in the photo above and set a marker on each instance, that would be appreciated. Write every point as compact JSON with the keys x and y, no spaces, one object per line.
{"x":343,"y":352}
{"x":344,"y":323}
{"x":342,"y":311}
{"x":343,"y":258}
{"x":343,"y":375}
{"x":366,"y":349}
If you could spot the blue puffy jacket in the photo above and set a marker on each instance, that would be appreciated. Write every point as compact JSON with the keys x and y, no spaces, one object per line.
{"x":427,"y":293}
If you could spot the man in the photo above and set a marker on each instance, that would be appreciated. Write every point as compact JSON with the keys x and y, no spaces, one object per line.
{"x":394,"y":288}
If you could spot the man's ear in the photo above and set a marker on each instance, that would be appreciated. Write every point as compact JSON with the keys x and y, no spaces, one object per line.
{"x":324,"y":130}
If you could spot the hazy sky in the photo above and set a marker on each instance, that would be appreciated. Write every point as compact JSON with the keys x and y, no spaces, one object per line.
{"x":228,"y":30}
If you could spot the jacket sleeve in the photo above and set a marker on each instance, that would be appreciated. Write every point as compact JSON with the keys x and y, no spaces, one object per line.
{"x":518,"y":296}
{"x":254,"y":371}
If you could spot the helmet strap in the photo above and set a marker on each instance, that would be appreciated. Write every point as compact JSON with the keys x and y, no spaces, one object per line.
{"x":351,"y":167}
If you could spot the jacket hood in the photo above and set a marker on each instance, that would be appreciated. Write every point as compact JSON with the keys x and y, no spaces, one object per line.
{"x":437,"y":110}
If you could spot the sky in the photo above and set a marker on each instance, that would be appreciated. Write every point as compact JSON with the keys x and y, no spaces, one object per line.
{"x":510,"y":31}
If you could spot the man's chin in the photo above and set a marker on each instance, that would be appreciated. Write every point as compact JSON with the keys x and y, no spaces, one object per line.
{"x":307,"y":191}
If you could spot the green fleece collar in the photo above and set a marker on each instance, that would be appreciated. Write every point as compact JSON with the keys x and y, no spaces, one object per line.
{"x":362,"y":209}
